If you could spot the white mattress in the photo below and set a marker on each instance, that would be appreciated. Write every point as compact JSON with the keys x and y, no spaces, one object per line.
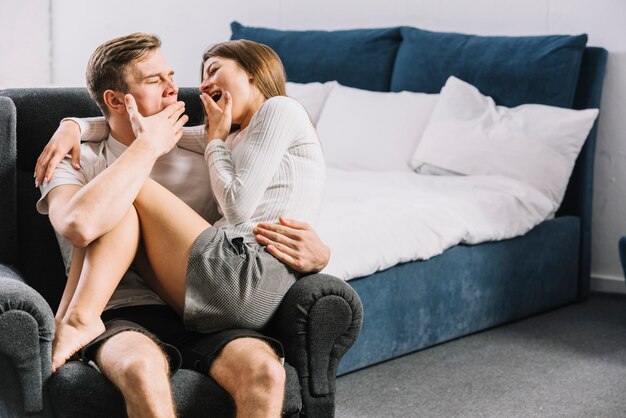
{"x":374,"y":220}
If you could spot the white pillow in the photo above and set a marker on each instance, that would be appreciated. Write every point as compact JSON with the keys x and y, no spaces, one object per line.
{"x":311,"y":95}
{"x":367,"y":130}
{"x":536,"y":144}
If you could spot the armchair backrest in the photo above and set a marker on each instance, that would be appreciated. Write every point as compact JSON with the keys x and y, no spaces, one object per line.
{"x":8,"y":182}
{"x":28,"y":118}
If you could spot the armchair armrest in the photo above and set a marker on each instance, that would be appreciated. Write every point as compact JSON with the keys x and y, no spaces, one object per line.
{"x":318,"y":321}
{"x":26,"y":333}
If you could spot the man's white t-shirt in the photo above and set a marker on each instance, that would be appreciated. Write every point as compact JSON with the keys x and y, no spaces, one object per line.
{"x":182,"y":172}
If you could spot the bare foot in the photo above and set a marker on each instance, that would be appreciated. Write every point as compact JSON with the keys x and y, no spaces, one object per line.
{"x":72,"y":334}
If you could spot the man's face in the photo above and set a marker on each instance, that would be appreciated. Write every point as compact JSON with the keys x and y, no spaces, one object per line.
{"x":151,"y":82}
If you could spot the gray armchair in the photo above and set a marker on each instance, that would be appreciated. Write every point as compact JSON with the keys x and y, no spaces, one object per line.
{"x":317,"y":322}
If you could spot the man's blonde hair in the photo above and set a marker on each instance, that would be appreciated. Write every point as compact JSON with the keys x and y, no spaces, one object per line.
{"x":258,"y":60}
{"x":108,"y":65}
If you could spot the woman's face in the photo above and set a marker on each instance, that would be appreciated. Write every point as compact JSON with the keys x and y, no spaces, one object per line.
{"x":223,"y":74}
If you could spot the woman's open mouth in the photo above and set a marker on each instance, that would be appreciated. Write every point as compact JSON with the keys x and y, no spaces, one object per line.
{"x":216,"y":96}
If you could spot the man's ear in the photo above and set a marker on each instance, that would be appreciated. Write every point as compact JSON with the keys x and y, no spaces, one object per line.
{"x":114,"y":101}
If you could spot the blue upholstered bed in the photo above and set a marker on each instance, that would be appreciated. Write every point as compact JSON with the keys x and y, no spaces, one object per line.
{"x":467,"y":288}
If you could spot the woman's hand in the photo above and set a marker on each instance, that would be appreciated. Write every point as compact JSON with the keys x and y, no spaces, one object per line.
{"x":66,"y":140}
{"x":160,"y":131}
{"x":295,"y":244}
{"x":218,"y":121}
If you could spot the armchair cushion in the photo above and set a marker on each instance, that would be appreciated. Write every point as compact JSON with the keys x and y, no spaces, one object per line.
{"x":77,"y":388}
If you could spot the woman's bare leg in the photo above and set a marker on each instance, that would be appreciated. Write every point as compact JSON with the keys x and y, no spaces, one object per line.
{"x":105,"y":262}
{"x":78,"y":257}
{"x":168,"y":229}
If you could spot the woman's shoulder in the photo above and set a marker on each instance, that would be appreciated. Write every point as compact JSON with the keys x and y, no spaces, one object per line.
{"x":284,"y":110}
{"x":282,"y":104}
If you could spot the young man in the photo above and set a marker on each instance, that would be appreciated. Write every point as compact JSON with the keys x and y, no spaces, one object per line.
{"x":88,"y":205}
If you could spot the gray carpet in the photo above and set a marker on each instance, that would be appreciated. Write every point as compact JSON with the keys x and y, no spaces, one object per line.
{"x":570,"y":362}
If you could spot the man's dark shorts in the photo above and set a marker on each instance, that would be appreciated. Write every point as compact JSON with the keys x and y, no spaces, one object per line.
{"x":187,"y":349}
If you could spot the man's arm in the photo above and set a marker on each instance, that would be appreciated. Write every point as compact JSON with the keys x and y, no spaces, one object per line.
{"x":295,"y":244}
{"x":82,"y":214}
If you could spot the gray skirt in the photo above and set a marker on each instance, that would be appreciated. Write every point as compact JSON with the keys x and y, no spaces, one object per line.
{"x":231,"y":284}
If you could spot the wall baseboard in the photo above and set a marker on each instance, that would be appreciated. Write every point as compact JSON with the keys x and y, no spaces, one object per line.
{"x":607,"y":284}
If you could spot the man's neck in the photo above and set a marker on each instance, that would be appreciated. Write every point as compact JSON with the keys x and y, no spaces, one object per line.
{"x":121,"y":130}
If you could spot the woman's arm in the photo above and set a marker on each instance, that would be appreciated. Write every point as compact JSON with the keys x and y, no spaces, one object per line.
{"x":194,"y":139}
{"x":72,"y":131}
{"x":239,"y":183}
{"x":66,"y":140}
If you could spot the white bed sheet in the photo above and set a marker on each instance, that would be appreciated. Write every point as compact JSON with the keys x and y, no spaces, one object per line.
{"x":375,"y":220}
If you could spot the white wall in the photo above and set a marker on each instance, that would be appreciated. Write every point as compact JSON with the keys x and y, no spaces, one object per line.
{"x":186,"y":28}
{"x":25,"y":43}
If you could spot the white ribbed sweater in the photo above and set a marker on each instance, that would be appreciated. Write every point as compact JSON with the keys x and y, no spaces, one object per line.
{"x":273,"y":167}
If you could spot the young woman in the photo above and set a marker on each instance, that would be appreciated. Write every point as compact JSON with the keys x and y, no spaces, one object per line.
{"x":265,"y":161}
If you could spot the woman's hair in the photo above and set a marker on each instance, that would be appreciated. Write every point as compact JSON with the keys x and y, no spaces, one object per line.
{"x":258,"y":60}
{"x":109,"y":63}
